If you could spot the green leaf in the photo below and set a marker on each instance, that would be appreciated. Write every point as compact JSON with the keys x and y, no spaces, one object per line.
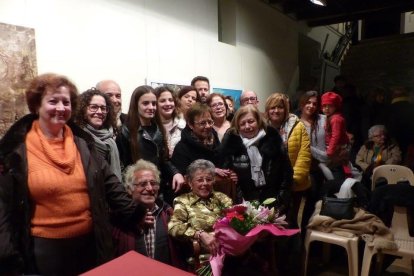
{"x":269,"y":201}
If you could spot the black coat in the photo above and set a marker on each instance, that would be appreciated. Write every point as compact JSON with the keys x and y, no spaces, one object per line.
{"x":150,"y":149}
{"x":105,"y":192}
{"x":276,"y":167}
{"x":190,"y":149}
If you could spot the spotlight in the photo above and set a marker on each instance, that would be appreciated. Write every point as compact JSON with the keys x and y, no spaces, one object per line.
{"x":319,"y":2}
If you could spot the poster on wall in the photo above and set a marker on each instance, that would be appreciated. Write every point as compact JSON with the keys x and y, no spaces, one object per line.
{"x":175,"y":86}
{"x":17,"y":67}
{"x":234,"y":93}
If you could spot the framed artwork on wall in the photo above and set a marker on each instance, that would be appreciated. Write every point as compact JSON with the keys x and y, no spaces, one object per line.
{"x":177,"y":85}
{"x":18,"y":67}
{"x":174,"y":85}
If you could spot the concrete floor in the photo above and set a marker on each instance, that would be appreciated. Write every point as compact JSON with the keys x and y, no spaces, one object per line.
{"x":338,"y":265}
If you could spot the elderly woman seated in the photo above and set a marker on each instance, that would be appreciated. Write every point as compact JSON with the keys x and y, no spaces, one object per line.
{"x":196,"y":212}
{"x":378,"y":150}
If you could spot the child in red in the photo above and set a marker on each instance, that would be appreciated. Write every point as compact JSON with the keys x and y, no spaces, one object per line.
{"x":337,"y":142}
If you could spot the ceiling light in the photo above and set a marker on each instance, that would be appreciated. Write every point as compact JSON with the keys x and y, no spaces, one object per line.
{"x":319,"y":2}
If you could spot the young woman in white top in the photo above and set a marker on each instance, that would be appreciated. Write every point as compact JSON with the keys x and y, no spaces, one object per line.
{"x":171,"y":118}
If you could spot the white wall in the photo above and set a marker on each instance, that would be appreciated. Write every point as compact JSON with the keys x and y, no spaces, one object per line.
{"x":131,"y":40}
{"x":333,"y":32}
{"x":268,"y":45}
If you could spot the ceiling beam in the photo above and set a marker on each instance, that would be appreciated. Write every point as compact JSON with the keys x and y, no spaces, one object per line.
{"x":327,"y":18}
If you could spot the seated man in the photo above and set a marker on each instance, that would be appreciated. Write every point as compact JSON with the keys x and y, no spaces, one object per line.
{"x":142,"y":182}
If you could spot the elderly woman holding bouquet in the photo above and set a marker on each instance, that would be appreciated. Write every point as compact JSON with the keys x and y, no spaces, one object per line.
{"x":196,"y":212}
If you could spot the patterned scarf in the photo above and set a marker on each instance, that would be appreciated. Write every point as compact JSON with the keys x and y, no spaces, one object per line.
{"x":208,"y":143}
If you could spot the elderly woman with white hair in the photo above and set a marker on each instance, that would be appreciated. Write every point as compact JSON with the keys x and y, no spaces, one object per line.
{"x":378,"y":150}
{"x":196,"y":212}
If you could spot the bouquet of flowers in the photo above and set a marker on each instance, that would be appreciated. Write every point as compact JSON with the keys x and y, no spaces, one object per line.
{"x":240,"y":226}
{"x":244,"y":217}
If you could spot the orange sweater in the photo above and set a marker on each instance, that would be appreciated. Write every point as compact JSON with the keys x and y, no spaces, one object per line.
{"x":57,"y":186}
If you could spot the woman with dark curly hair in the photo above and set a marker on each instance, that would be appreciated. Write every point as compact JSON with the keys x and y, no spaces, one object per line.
{"x":97,"y":117}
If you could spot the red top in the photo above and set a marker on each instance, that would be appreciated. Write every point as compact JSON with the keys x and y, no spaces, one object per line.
{"x":335,"y":135}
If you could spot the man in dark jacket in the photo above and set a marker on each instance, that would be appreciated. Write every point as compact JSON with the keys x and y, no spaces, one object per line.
{"x":142,"y":181}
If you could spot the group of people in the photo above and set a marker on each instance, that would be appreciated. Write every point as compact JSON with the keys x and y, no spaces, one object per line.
{"x":82,"y":182}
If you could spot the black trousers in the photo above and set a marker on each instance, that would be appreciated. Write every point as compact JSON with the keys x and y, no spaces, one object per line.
{"x":70,"y":256}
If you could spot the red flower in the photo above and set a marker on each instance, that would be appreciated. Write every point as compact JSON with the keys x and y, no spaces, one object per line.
{"x":234,"y":214}
{"x":241,"y":209}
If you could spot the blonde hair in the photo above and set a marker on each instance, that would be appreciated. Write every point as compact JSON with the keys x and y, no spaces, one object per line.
{"x":243,"y":111}
{"x":278,"y":99}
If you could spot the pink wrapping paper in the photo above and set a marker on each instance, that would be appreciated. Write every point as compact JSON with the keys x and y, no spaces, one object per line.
{"x":233,"y":243}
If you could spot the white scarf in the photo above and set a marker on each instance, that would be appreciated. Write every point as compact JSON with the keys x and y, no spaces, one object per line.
{"x":255,"y":158}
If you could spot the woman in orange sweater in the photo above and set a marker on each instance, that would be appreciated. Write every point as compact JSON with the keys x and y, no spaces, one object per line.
{"x":55,"y":191}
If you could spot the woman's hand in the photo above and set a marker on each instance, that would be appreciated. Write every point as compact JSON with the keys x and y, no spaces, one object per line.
{"x":234,"y":177}
{"x":226,"y":173}
{"x":221,"y":172}
{"x":177,"y":182}
{"x":210,"y":242}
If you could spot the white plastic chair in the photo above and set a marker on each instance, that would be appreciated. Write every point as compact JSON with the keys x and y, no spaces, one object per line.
{"x":393,"y":174}
{"x":349,"y":243}
{"x":399,"y":224}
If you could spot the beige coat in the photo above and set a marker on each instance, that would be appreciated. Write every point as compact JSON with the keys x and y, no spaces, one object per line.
{"x":391,"y":155}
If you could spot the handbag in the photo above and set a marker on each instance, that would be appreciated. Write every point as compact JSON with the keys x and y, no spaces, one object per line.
{"x":338,"y":208}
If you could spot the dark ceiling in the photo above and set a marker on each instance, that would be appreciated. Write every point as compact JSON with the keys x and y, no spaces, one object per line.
{"x":337,"y":11}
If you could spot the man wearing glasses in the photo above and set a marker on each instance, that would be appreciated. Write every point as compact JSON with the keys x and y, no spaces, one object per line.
{"x":249,"y":97}
{"x":142,"y":181}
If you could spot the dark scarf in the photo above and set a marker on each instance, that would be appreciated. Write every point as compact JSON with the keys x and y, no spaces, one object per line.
{"x":105,"y":144}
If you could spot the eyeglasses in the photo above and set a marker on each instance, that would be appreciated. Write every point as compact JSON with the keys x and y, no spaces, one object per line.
{"x":205,"y":123}
{"x":94,"y":108}
{"x":250,"y":99}
{"x":215,"y":105}
{"x":144,"y":184}
{"x":204,"y":180}
{"x":378,"y":135}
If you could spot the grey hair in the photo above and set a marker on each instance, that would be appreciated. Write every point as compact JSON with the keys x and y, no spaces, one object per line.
{"x":375,"y":128}
{"x":200,"y":164}
{"x":141,"y":164}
